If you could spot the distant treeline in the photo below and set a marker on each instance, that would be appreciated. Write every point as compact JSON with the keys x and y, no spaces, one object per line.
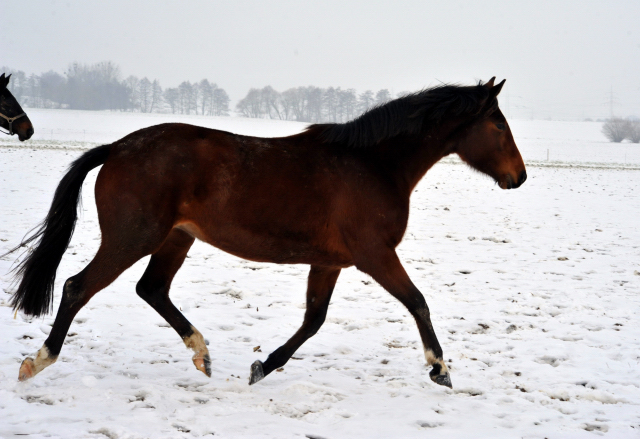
{"x":309,"y":104}
{"x":100,"y":87}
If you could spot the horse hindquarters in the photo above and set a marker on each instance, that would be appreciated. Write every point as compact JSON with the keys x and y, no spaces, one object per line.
{"x":133,"y":225}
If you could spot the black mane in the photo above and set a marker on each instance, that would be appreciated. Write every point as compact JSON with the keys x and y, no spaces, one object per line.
{"x":407,"y":115}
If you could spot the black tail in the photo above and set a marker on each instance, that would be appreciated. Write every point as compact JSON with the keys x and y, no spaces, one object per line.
{"x":38,"y":270}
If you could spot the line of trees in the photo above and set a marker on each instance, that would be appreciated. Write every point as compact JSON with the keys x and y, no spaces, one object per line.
{"x":309,"y":104}
{"x":198,"y":98}
{"x":99,"y":87}
{"x":617,"y":129}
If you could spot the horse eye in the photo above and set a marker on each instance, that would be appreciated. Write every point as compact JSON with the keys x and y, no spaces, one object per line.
{"x":500,"y":126}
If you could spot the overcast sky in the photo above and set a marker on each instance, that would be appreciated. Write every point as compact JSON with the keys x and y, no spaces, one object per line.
{"x":561,"y":59}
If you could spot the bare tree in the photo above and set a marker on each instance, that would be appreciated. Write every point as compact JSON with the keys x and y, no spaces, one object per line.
{"x":271,"y":102}
{"x":206,"y":95}
{"x":366,"y":100}
{"x":314,"y":104}
{"x":195,"y":97}
{"x":331,"y":104}
{"x":145,"y":95}
{"x":348,"y":104}
{"x":172,"y":97}
{"x":220,"y":102}
{"x":294,"y":103}
{"x":615,"y":129}
{"x":185,"y":97}
{"x":383,"y":96}
{"x":633,"y":130}
{"x":133,"y":85}
{"x":52,"y":86}
{"x":251,"y":104}
{"x":33,"y":91}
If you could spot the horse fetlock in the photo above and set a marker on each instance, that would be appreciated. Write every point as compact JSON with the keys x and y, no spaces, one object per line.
{"x":31,"y":367}
{"x":431,"y":357}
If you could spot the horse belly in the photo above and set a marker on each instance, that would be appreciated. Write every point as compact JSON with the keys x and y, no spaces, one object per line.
{"x":261,"y":246}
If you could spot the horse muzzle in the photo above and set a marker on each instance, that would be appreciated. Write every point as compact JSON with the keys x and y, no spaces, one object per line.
{"x":508,"y":182}
{"x":24,"y":129}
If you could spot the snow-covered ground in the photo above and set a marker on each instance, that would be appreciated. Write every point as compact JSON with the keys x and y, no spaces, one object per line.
{"x":534,"y":293}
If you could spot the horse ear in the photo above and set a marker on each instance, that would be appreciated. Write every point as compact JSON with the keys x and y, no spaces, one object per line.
{"x":495,"y":91}
{"x":489,"y":83}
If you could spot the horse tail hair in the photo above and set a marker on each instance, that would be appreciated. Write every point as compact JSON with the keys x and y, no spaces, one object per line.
{"x":37,"y":272}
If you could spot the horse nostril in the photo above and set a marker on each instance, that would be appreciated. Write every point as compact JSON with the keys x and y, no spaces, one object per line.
{"x":523,"y":177}
{"x":29,"y":133}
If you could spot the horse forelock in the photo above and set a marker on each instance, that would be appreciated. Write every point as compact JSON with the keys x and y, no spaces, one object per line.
{"x":408,"y":115}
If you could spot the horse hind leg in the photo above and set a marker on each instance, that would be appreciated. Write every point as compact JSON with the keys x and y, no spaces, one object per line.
{"x":105,"y":267}
{"x":320,"y":286}
{"x":154,"y":286}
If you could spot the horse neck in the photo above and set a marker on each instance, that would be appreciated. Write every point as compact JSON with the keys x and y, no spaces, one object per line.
{"x":408,"y":158}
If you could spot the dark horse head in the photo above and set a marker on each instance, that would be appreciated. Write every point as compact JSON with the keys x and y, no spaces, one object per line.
{"x":12,"y":117}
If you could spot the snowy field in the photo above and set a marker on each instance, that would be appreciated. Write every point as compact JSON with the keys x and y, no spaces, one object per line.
{"x":534,"y":294}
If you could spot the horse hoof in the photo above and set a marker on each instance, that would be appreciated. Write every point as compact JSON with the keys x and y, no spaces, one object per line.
{"x":443,"y":380}
{"x":256,"y":372}
{"x":203,"y":364}
{"x":27,"y":369}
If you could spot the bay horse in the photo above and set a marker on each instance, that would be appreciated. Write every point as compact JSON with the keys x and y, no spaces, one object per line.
{"x":332,"y":196}
{"x":11,"y":111}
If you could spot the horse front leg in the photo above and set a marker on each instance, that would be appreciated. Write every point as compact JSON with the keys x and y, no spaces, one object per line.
{"x":385,"y":268}
{"x":320,"y":286}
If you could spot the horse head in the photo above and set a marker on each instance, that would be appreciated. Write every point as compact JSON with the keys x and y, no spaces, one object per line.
{"x":12,"y":117}
{"x":488,"y":146}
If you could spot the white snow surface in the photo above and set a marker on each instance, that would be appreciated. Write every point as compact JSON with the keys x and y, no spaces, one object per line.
{"x":534,"y":294}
